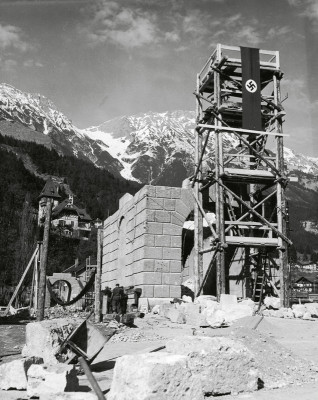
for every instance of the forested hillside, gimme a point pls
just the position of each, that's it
(95, 189)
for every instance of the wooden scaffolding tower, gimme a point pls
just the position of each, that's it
(239, 101)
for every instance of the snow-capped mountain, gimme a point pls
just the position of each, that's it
(33, 117)
(150, 146)
(155, 148)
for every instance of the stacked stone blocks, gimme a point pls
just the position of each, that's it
(147, 254)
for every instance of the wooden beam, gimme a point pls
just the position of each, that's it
(198, 221)
(256, 206)
(252, 210)
(205, 216)
(21, 281)
(251, 241)
(240, 130)
(270, 165)
(201, 158)
(207, 272)
(43, 264)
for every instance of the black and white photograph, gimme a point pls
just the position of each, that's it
(158, 199)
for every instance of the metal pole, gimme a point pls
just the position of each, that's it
(91, 379)
(98, 276)
(43, 264)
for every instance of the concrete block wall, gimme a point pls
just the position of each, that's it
(142, 241)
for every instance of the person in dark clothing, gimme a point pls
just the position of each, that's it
(116, 299)
(124, 300)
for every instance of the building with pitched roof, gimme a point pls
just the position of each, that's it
(71, 220)
(50, 190)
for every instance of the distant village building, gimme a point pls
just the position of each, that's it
(306, 266)
(304, 284)
(51, 189)
(68, 218)
(71, 220)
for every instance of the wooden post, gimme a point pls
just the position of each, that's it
(219, 204)
(98, 276)
(198, 221)
(36, 282)
(43, 264)
(281, 204)
(20, 282)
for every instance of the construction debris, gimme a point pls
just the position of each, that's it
(65, 312)
(13, 375)
(307, 311)
(222, 365)
(154, 376)
(47, 379)
(206, 311)
(70, 396)
(43, 339)
(277, 366)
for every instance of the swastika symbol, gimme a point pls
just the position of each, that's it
(251, 86)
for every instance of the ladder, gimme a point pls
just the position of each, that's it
(260, 280)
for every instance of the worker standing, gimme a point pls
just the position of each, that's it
(116, 299)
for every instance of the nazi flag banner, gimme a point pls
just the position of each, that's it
(252, 118)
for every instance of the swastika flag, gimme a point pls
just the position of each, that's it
(251, 84)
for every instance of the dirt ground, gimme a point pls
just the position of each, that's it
(287, 350)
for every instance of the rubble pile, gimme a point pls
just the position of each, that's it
(277, 366)
(135, 335)
(306, 311)
(43, 339)
(206, 311)
(65, 312)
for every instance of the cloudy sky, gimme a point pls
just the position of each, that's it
(98, 59)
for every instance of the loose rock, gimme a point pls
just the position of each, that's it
(49, 379)
(222, 364)
(13, 375)
(154, 376)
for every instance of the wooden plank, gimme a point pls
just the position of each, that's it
(198, 220)
(263, 64)
(251, 241)
(256, 173)
(21, 281)
(248, 223)
(240, 130)
(236, 48)
(43, 264)
(259, 216)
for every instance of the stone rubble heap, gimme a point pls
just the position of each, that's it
(307, 311)
(206, 311)
(65, 312)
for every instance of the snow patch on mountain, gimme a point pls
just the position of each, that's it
(300, 162)
(142, 140)
(147, 147)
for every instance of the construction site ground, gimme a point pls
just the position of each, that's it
(284, 348)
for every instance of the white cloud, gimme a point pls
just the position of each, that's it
(30, 63)
(123, 26)
(11, 37)
(276, 32)
(137, 25)
(307, 8)
(7, 65)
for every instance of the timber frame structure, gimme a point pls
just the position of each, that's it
(246, 187)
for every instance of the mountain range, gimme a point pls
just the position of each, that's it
(149, 148)
(156, 148)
